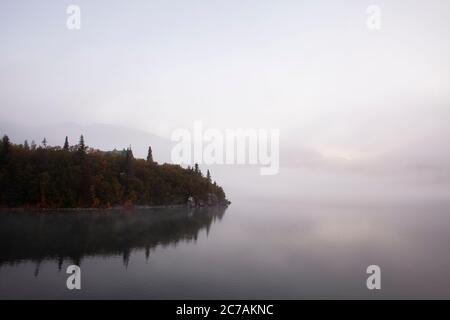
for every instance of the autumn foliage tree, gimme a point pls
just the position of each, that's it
(79, 176)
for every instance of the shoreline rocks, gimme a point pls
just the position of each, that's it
(191, 203)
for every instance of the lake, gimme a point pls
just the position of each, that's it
(252, 250)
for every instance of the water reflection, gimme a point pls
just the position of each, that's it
(60, 236)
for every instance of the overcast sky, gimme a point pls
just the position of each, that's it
(309, 68)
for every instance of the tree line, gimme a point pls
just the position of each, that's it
(78, 176)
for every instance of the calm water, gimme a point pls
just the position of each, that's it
(250, 250)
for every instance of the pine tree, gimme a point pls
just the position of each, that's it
(81, 146)
(150, 155)
(66, 144)
(129, 162)
(196, 169)
(25, 145)
(5, 148)
(5, 142)
(44, 143)
(208, 176)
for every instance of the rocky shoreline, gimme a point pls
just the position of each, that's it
(192, 203)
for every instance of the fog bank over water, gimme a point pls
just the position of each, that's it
(332, 188)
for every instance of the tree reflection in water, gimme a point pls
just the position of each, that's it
(37, 237)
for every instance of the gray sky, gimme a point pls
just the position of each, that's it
(311, 69)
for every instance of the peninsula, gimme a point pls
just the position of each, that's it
(77, 176)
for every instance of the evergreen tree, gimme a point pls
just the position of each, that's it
(208, 176)
(66, 144)
(5, 149)
(25, 145)
(197, 169)
(150, 155)
(44, 143)
(81, 146)
(129, 162)
(6, 144)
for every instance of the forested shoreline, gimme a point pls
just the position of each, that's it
(76, 176)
